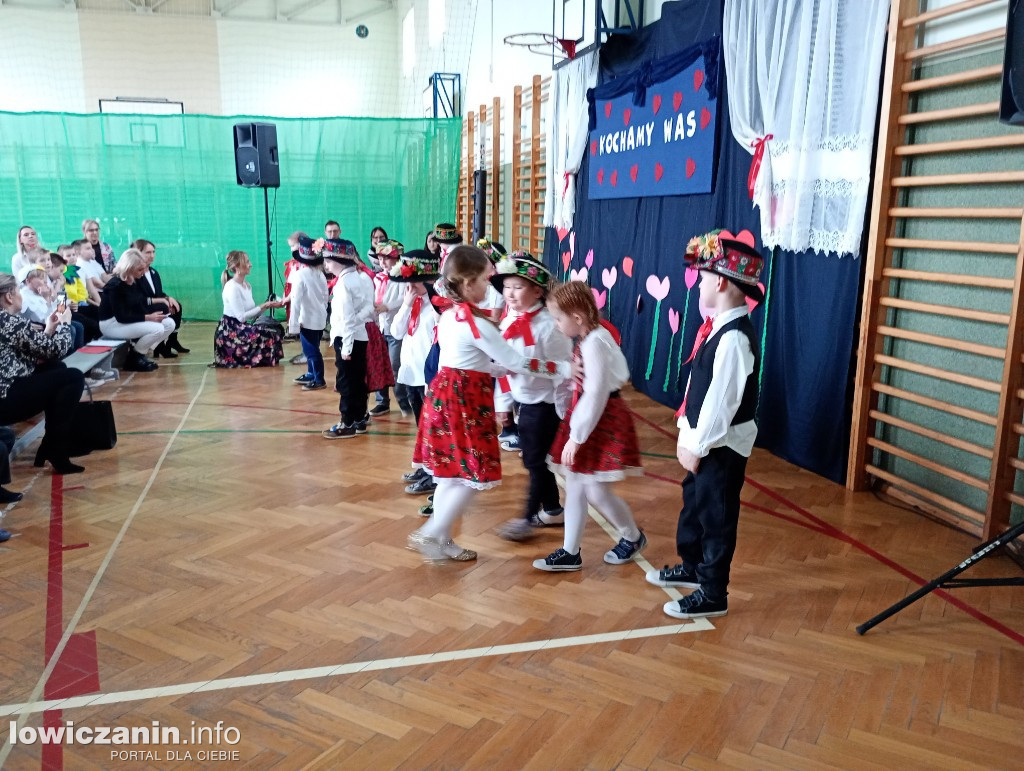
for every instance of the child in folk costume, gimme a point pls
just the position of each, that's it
(530, 328)
(352, 316)
(307, 302)
(447, 237)
(596, 443)
(414, 326)
(388, 297)
(494, 301)
(716, 424)
(456, 440)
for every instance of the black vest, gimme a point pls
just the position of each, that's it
(702, 370)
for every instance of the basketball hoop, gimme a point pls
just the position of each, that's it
(543, 43)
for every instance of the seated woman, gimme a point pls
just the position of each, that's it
(27, 243)
(125, 315)
(237, 342)
(159, 300)
(33, 379)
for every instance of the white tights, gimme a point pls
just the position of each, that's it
(451, 498)
(581, 490)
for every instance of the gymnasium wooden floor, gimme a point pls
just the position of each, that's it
(225, 563)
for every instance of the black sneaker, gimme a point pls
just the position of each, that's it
(560, 561)
(428, 510)
(339, 431)
(361, 426)
(553, 518)
(677, 575)
(696, 605)
(381, 409)
(422, 486)
(412, 476)
(312, 385)
(303, 379)
(625, 551)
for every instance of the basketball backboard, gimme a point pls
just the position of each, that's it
(583, 21)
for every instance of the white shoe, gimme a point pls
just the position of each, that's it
(552, 518)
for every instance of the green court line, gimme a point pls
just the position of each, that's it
(247, 431)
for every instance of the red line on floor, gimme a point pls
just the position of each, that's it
(834, 532)
(53, 753)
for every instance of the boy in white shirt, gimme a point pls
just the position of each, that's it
(308, 317)
(388, 298)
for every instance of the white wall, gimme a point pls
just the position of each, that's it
(33, 78)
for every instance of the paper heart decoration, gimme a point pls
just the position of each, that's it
(705, 117)
(751, 302)
(627, 266)
(609, 276)
(673, 320)
(615, 178)
(658, 287)
(633, 171)
(698, 79)
(600, 176)
(690, 276)
(566, 259)
(659, 170)
(677, 99)
(593, 147)
(607, 109)
(744, 236)
(599, 297)
(562, 233)
(589, 259)
(656, 103)
(578, 275)
(625, 116)
(691, 167)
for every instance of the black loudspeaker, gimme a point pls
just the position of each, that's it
(256, 162)
(479, 204)
(1011, 106)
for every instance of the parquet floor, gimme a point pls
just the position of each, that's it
(224, 563)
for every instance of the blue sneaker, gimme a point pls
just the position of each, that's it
(625, 551)
(509, 440)
(303, 379)
(696, 605)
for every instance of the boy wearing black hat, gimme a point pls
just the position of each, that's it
(307, 302)
(716, 424)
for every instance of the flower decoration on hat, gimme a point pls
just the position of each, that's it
(494, 250)
(336, 249)
(415, 266)
(733, 257)
(524, 265)
(390, 249)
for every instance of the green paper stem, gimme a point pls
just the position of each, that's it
(668, 362)
(654, 340)
(764, 330)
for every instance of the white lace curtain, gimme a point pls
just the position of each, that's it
(806, 72)
(566, 137)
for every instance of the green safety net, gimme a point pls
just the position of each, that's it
(171, 180)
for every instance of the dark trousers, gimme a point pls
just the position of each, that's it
(415, 394)
(401, 394)
(538, 424)
(310, 341)
(706, 533)
(89, 317)
(6, 445)
(351, 382)
(52, 389)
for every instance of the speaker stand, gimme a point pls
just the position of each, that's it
(270, 252)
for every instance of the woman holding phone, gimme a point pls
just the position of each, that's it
(125, 315)
(33, 378)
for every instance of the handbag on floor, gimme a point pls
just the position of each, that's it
(92, 427)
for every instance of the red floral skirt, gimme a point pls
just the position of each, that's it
(612, 452)
(457, 436)
(378, 362)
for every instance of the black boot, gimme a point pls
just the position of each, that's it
(136, 362)
(57, 455)
(164, 349)
(175, 345)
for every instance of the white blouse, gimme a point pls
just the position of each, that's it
(415, 347)
(238, 303)
(549, 344)
(351, 308)
(461, 350)
(308, 298)
(394, 294)
(604, 371)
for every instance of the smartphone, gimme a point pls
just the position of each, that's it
(62, 302)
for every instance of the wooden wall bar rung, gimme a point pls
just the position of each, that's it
(938, 468)
(958, 212)
(960, 42)
(940, 374)
(980, 143)
(1017, 463)
(975, 517)
(951, 113)
(952, 441)
(943, 342)
(982, 247)
(975, 178)
(935, 404)
(945, 310)
(1014, 498)
(989, 282)
(956, 79)
(949, 10)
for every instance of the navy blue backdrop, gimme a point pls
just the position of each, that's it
(804, 412)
